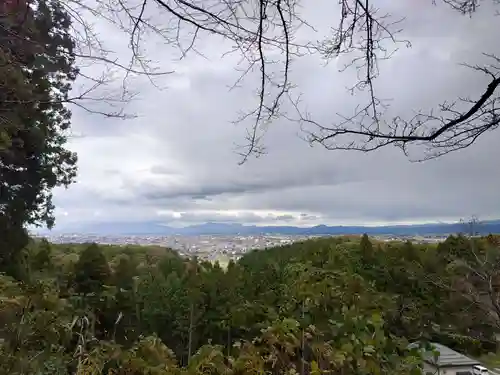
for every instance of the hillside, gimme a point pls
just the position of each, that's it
(343, 305)
(155, 228)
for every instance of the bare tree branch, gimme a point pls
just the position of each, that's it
(442, 131)
(263, 33)
(448, 128)
(257, 29)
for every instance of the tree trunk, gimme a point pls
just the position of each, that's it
(190, 340)
(228, 340)
(137, 306)
(302, 343)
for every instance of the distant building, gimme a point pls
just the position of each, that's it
(449, 362)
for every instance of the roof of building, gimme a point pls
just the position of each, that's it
(447, 357)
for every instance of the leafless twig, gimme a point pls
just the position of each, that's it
(263, 33)
(451, 126)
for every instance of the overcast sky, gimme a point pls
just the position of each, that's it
(176, 162)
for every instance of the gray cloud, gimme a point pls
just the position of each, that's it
(176, 161)
(216, 184)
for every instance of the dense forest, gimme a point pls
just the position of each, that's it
(339, 305)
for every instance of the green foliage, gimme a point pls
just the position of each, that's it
(92, 271)
(42, 259)
(36, 72)
(365, 245)
(336, 305)
(125, 273)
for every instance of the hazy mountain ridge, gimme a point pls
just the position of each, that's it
(155, 228)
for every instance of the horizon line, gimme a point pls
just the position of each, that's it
(379, 225)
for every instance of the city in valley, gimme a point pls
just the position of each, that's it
(212, 247)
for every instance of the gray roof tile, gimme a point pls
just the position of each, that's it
(448, 357)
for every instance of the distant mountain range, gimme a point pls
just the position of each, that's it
(155, 228)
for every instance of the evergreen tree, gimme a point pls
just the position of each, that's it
(91, 271)
(36, 72)
(42, 259)
(366, 249)
(124, 273)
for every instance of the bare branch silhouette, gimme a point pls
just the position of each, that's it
(257, 30)
(444, 130)
(451, 126)
(92, 87)
(263, 33)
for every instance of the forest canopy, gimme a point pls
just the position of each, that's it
(334, 305)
